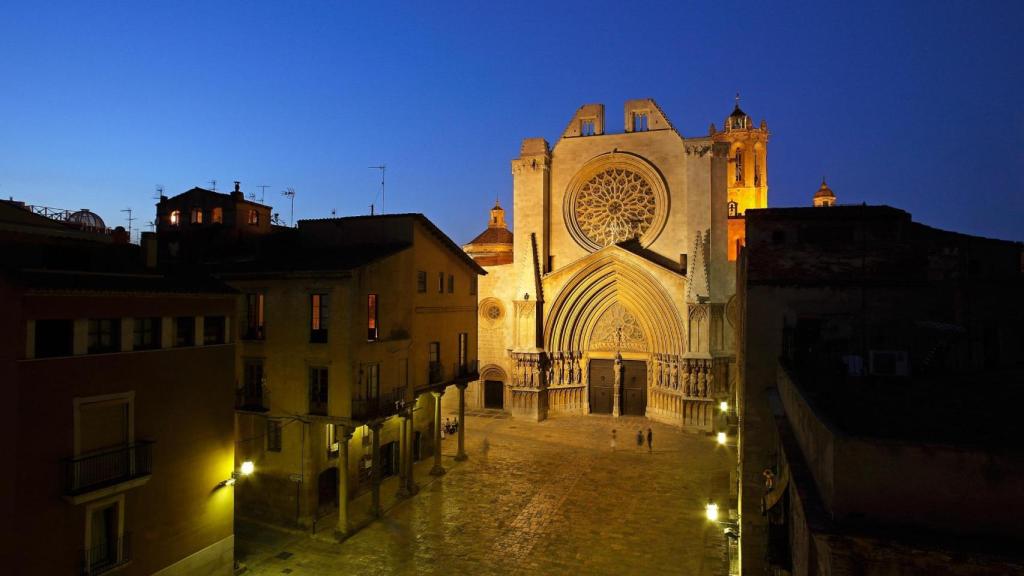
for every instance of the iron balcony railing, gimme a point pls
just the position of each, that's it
(107, 467)
(435, 372)
(387, 404)
(465, 371)
(252, 397)
(107, 555)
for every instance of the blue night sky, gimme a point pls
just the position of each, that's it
(919, 105)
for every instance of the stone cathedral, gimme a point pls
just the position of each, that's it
(613, 292)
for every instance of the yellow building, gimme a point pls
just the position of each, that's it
(614, 294)
(352, 329)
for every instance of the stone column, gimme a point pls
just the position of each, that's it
(403, 455)
(437, 470)
(462, 422)
(410, 479)
(346, 435)
(375, 427)
(617, 391)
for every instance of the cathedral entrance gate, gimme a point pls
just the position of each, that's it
(633, 392)
(602, 386)
(494, 394)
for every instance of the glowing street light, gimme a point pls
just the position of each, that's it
(247, 468)
(711, 510)
(721, 438)
(723, 406)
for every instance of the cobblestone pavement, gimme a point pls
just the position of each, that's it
(545, 498)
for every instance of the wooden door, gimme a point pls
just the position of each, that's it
(634, 388)
(602, 386)
(494, 394)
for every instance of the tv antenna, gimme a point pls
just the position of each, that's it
(213, 185)
(290, 194)
(159, 192)
(263, 191)
(130, 220)
(382, 168)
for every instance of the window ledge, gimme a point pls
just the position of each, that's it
(108, 490)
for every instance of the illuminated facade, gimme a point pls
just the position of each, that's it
(613, 295)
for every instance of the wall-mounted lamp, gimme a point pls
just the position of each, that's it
(246, 469)
(711, 511)
(721, 438)
(723, 406)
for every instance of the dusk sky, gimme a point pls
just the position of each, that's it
(919, 105)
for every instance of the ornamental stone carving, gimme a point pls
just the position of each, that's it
(614, 198)
(617, 329)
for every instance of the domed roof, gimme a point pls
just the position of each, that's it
(824, 191)
(86, 219)
(737, 113)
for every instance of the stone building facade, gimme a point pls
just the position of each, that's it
(613, 294)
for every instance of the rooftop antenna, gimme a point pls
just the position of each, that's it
(290, 193)
(382, 168)
(371, 209)
(213, 185)
(130, 220)
(159, 192)
(263, 191)
(151, 224)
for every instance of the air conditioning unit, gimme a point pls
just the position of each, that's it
(889, 363)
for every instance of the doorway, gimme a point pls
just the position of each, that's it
(494, 394)
(327, 490)
(633, 392)
(602, 386)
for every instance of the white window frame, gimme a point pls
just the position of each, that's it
(89, 509)
(108, 400)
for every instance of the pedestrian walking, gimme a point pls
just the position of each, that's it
(613, 439)
(444, 428)
(639, 439)
(650, 441)
(485, 447)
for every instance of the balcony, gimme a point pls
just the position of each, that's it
(107, 468)
(387, 404)
(466, 371)
(458, 372)
(107, 556)
(252, 397)
(436, 373)
(254, 333)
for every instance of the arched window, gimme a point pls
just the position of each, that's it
(757, 171)
(739, 165)
(732, 209)
(175, 217)
(254, 218)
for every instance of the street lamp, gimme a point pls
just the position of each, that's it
(711, 511)
(246, 469)
(721, 438)
(723, 406)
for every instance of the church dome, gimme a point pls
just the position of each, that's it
(494, 245)
(86, 219)
(824, 196)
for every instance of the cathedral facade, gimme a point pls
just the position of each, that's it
(613, 293)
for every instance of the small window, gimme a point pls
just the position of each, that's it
(104, 335)
(421, 281)
(175, 218)
(587, 127)
(217, 215)
(732, 209)
(214, 330)
(757, 171)
(440, 282)
(639, 122)
(54, 338)
(371, 317)
(254, 329)
(434, 361)
(318, 391)
(197, 216)
(318, 308)
(371, 386)
(451, 284)
(252, 384)
(184, 331)
(147, 334)
(473, 282)
(254, 218)
(738, 161)
(273, 435)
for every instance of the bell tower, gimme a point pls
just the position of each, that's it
(747, 173)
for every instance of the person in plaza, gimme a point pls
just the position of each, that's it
(650, 440)
(444, 430)
(639, 439)
(613, 439)
(485, 447)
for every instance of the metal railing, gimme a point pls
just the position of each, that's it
(387, 404)
(252, 397)
(465, 371)
(435, 372)
(107, 467)
(107, 556)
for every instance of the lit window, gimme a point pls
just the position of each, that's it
(732, 209)
(175, 217)
(217, 215)
(318, 307)
(371, 317)
(254, 218)
(197, 216)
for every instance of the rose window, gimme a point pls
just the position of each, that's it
(615, 205)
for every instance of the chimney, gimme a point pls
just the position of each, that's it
(237, 194)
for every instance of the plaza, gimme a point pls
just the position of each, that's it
(548, 497)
